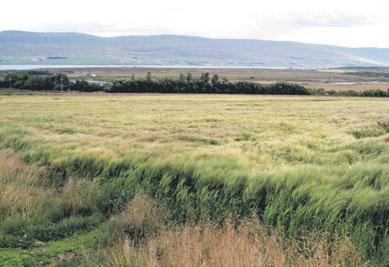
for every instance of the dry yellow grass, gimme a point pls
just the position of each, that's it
(18, 193)
(23, 192)
(257, 132)
(385, 138)
(209, 245)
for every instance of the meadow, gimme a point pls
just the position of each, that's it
(313, 171)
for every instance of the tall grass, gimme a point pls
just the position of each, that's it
(294, 163)
(19, 195)
(293, 202)
(31, 211)
(207, 244)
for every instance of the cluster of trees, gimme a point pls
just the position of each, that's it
(203, 84)
(44, 81)
(84, 86)
(184, 84)
(24, 80)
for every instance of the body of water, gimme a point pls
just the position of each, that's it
(33, 67)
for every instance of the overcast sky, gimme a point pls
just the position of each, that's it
(340, 22)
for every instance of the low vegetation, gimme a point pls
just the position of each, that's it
(313, 171)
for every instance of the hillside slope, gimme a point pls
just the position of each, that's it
(18, 47)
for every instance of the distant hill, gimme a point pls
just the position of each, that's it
(17, 47)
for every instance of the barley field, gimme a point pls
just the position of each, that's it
(302, 165)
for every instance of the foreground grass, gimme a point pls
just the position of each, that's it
(38, 223)
(144, 234)
(205, 244)
(302, 164)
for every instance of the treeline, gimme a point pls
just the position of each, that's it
(184, 84)
(204, 84)
(24, 80)
(44, 81)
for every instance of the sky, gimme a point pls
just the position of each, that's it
(355, 23)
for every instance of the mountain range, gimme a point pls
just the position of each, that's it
(19, 47)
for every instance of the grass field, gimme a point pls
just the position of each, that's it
(301, 164)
